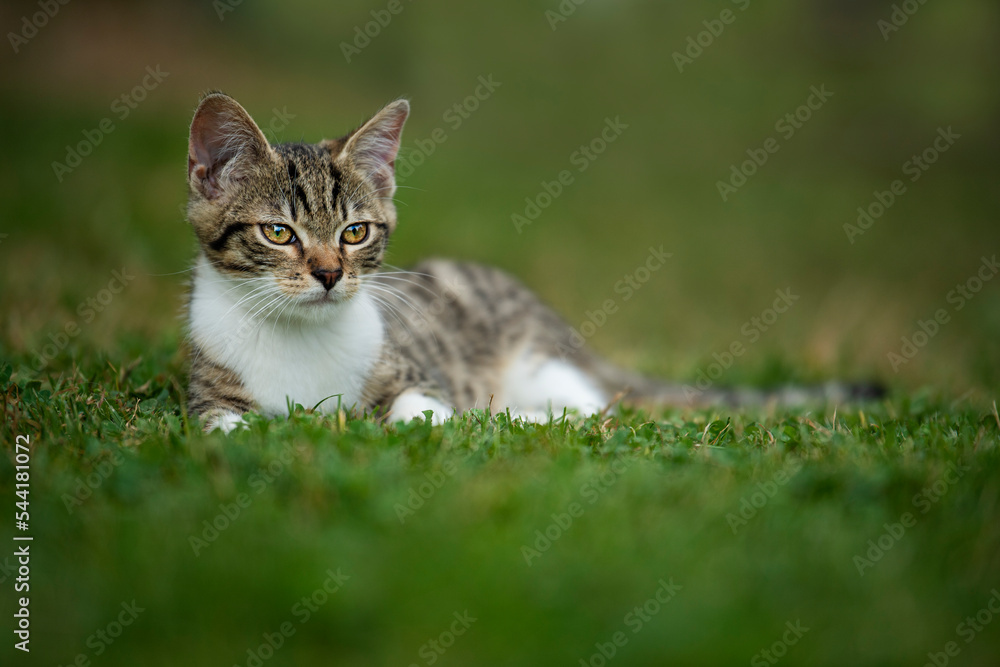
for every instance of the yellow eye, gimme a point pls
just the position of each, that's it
(355, 233)
(278, 234)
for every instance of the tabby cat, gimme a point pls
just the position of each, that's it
(288, 303)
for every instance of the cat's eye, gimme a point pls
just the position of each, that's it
(355, 233)
(278, 234)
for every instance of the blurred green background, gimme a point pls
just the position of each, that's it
(655, 185)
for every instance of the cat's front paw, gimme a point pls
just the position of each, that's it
(226, 422)
(531, 416)
(412, 404)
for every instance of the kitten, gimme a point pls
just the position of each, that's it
(288, 304)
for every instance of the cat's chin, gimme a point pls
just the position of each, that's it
(318, 308)
(321, 301)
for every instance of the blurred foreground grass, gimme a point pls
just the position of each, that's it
(877, 529)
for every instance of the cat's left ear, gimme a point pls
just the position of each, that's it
(373, 147)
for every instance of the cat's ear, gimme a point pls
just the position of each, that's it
(373, 147)
(224, 144)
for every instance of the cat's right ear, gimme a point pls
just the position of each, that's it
(224, 145)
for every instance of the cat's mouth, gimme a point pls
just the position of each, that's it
(325, 299)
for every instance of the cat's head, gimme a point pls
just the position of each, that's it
(302, 221)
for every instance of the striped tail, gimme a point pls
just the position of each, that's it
(641, 391)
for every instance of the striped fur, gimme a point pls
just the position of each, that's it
(317, 322)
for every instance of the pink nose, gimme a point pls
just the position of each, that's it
(327, 277)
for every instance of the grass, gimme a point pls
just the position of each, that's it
(876, 528)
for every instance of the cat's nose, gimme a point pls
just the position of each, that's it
(328, 277)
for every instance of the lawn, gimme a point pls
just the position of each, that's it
(840, 534)
(866, 536)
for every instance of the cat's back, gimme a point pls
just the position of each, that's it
(457, 296)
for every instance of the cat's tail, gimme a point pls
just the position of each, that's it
(641, 391)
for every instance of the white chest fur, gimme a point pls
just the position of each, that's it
(302, 361)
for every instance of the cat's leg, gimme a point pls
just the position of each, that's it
(216, 394)
(413, 402)
(535, 385)
(400, 389)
